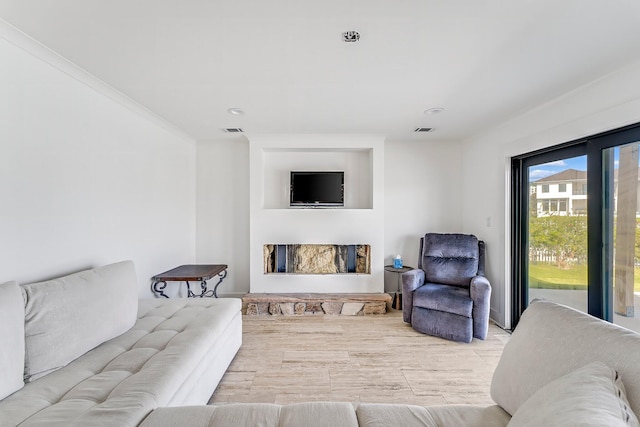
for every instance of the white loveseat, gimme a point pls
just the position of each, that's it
(91, 354)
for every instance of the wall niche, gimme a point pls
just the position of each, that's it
(274, 224)
(356, 164)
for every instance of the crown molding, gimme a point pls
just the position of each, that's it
(38, 50)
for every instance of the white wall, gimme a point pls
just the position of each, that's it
(608, 103)
(86, 176)
(422, 193)
(423, 189)
(223, 211)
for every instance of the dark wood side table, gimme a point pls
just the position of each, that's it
(190, 273)
(397, 298)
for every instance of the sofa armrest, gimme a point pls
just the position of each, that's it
(411, 280)
(480, 291)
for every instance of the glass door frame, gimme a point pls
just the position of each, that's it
(599, 215)
(600, 288)
(520, 217)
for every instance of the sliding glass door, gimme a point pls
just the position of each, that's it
(575, 226)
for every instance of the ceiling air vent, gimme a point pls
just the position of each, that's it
(423, 129)
(233, 130)
(350, 36)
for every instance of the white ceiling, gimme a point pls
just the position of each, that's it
(284, 62)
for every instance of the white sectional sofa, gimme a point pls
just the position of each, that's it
(91, 354)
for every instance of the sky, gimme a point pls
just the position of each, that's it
(541, 171)
(579, 163)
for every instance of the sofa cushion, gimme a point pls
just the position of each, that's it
(12, 333)
(318, 414)
(451, 299)
(469, 416)
(383, 415)
(68, 316)
(240, 414)
(589, 396)
(552, 340)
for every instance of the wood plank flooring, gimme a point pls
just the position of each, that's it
(375, 359)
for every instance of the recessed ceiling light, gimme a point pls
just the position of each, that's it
(235, 111)
(434, 110)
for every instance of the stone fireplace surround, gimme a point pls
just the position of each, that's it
(317, 259)
(315, 304)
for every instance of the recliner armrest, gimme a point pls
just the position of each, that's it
(480, 292)
(411, 280)
(479, 287)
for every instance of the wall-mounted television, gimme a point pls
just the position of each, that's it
(317, 189)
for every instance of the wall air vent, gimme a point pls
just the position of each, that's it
(423, 129)
(232, 130)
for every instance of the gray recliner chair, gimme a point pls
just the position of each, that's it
(447, 295)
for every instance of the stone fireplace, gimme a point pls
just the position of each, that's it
(317, 259)
(307, 261)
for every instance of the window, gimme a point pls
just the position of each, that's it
(562, 205)
(562, 188)
(545, 206)
(545, 188)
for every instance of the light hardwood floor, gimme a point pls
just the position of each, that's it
(289, 359)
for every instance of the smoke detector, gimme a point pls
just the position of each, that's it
(350, 36)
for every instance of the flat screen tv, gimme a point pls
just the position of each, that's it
(317, 189)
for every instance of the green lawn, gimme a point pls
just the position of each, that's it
(545, 276)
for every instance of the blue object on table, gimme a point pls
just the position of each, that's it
(397, 262)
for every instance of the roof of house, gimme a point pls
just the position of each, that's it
(565, 175)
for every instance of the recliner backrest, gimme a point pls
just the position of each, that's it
(451, 259)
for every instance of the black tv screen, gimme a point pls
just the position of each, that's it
(317, 188)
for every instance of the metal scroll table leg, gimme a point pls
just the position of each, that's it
(203, 293)
(190, 293)
(158, 289)
(215, 288)
(212, 292)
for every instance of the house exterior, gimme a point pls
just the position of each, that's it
(563, 193)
